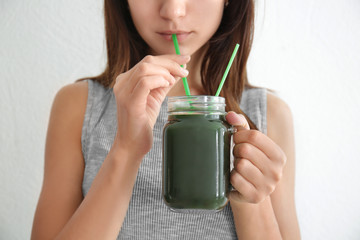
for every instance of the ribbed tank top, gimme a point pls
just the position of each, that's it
(148, 217)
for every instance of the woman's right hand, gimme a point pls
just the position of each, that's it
(139, 94)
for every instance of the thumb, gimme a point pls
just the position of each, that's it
(237, 120)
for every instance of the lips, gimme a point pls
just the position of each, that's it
(181, 35)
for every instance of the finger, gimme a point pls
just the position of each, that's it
(271, 170)
(170, 62)
(255, 155)
(246, 189)
(167, 89)
(162, 92)
(145, 85)
(262, 142)
(149, 69)
(252, 174)
(179, 59)
(151, 65)
(237, 120)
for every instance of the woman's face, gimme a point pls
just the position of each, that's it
(194, 22)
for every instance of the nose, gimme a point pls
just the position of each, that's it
(173, 9)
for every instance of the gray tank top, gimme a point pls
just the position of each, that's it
(147, 216)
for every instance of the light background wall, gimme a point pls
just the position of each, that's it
(306, 50)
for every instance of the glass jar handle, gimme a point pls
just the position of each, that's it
(232, 130)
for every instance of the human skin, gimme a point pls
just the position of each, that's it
(263, 206)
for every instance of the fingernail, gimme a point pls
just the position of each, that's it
(184, 71)
(186, 57)
(242, 120)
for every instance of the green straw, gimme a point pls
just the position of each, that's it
(177, 50)
(227, 70)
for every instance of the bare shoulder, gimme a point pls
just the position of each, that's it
(68, 110)
(72, 95)
(279, 117)
(69, 106)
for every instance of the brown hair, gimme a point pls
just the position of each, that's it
(125, 48)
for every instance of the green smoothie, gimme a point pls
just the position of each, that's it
(196, 161)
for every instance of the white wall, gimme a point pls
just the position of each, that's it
(306, 50)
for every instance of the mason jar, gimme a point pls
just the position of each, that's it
(197, 144)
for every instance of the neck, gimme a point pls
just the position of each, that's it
(194, 77)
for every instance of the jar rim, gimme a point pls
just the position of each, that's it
(196, 104)
(197, 98)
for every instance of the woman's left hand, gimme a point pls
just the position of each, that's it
(258, 162)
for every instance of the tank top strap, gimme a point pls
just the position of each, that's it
(254, 104)
(98, 99)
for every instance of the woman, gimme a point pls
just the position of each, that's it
(103, 164)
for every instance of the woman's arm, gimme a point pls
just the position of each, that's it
(61, 212)
(273, 217)
(139, 93)
(280, 129)
(255, 221)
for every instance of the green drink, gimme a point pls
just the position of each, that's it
(196, 155)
